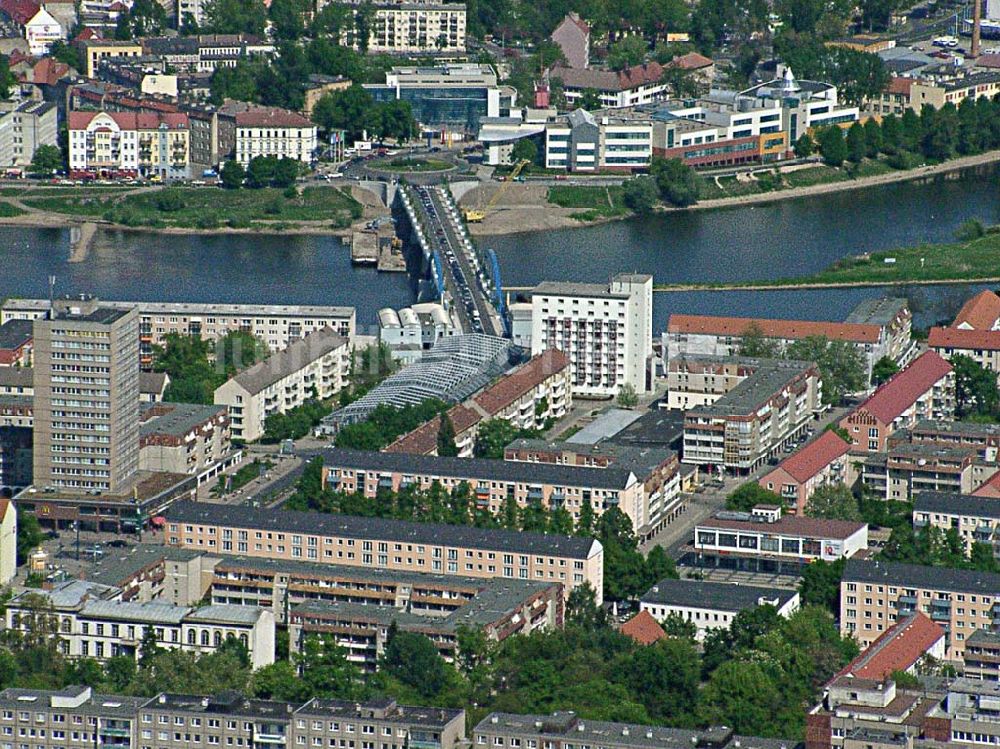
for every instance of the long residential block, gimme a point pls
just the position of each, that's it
(874, 594)
(93, 622)
(975, 519)
(277, 325)
(378, 543)
(494, 482)
(78, 717)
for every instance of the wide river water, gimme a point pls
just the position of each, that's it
(787, 238)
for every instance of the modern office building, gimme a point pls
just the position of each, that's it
(805, 105)
(527, 397)
(821, 462)
(185, 438)
(765, 533)
(387, 544)
(583, 142)
(315, 367)
(747, 425)
(277, 325)
(709, 605)
(606, 329)
(78, 717)
(925, 389)
(567, 729)
(93, 622)
(86, 398)
(452, 97)
(874, 594)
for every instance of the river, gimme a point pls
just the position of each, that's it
(787, 238)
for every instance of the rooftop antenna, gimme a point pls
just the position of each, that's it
(52, 295)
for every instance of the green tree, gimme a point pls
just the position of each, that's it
(68, 54)
(833, 502)
(144, 18)
(677, 182)
(820, 585)
(749, 495)
(524, 150)
(627, 397)
(804, 146)
(883, 369)
(627, 53)
(873, 138)
(892, 134)
(582, 609)
(640, 194)
(325, 671)
(975, 388)
(754, 343)
(46, 160)
(857, 143)
(7, 79)
(840, 363)
(414, 660)
(590, 99)
(260, 171)
(350, 110)
(666, 675)
(278, 681)
(446, 446)
(29, 536)
(742, 695)
(287, 18)
(232, 175)
(235, 17)
(832, 145)
(149, 648)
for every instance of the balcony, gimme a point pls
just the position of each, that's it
(269, 738)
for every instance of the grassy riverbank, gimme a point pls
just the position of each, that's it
(594, 202)
(202, 207)
(974, 260)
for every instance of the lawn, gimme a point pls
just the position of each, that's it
(413, 165)
(208, 207)
(9, 211)
(595, 202)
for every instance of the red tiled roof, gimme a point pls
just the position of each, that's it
(814, 457)
(899, 86)
(787, 329)
(87, 34)
(643, 628)
(491, 401)
(5, 504)
(691, 61)
(896, 649)
(791, 525)
(955, 338)
(904, 388)
(20, 11)
(979, 313)
(990, 488)
(131, 120)
(271, 117)
(49, 71)
(650, 72)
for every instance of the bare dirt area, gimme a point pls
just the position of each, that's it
(522, 207)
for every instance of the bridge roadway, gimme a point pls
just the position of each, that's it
(466, 278)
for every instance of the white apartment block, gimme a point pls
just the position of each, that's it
(316, 366)
(8, 541)
(93, 622)
(607, 331)
(581, 142)
(277, 325)
(269, 131)
(23, 129)
(406, 28)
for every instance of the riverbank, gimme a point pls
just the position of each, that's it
(185, 210)
(525, 208)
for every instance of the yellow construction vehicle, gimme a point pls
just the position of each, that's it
(477, 215)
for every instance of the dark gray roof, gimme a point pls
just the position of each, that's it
(15, 333)
(968, 429)
(352, 526)
(877, 311)
(720, 596)
(921, 576)
(116, 706)
(407, 714)
(638, 459)
(657, 427)
(956, 504)
(771, 376)
(117, 566)
(290, 360)
(489, 470)
(152, 382)
(21, 377)
(182, 418)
